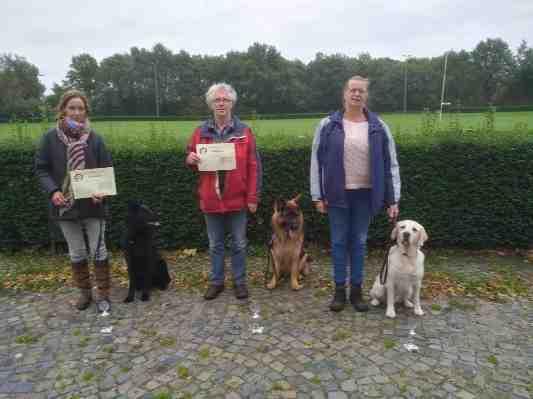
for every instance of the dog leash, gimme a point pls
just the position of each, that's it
(268, 262)
(383, 273)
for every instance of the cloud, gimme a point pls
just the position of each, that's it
(48, 34)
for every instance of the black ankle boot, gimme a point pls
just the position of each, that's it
(356, 299)
(339, 299)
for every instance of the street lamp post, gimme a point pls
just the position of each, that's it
(406, 56)
(156, 84)
(442, 103)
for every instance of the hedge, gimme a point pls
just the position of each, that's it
(470, 190)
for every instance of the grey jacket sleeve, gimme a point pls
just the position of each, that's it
(394, 167)
(42, 167)
(314, 175)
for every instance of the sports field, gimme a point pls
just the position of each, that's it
(410, 123)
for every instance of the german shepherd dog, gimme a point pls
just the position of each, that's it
(288, 255)
(146, 267)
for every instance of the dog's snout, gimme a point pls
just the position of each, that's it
(406, 234)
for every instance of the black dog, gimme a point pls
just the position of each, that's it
(146, 267)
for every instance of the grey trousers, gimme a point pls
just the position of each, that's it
(72, 230)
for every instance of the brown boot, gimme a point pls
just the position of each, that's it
(102, 274)
(82, 280)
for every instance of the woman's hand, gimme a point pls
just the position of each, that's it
(393, 211)
(192, 159)
(97, 199)
(321, 206)
(58, 199)
(252, 208)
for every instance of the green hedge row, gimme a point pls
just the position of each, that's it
(472, 190)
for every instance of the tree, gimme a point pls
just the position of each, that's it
(494, 64)
(326, 75)
(52, 100)
(82, 74)
(115, 87)
(524, 72)
(20, 87)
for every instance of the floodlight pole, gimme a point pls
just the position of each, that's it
(406, 56)
(156, 84)
(443, 85)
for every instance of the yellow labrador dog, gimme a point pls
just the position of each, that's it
(406, 269)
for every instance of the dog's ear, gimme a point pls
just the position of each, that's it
(293, 203)
(277, 205)
(394, 233)
(423, 237)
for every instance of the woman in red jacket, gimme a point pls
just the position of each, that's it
(226, 196)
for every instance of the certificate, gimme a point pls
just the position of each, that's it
(218, 156)
(86, 182)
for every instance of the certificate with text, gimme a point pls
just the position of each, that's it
(217, 156)
(87, 182)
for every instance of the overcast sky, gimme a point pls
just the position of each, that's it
(49, 33)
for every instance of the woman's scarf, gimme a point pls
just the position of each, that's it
(74, 135)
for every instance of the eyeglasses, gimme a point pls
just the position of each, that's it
(361, 91)
(222, 100)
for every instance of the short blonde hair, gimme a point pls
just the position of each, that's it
(211, 92)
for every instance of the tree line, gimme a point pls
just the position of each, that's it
(161, 82)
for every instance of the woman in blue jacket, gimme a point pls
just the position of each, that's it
(354, 174)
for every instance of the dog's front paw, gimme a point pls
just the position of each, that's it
(419, 311)
(408, 304)
(374, 302)
(271, 285)
(145, 297)
(128, 299)
(390, 313)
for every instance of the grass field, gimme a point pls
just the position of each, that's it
(400, 123)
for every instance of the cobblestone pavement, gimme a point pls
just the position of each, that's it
(178, 345)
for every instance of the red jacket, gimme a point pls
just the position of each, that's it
(241, 185)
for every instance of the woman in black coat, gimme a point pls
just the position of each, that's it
(73, 145)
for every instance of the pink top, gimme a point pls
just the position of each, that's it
(356, 155)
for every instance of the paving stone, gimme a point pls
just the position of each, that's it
(152, 348)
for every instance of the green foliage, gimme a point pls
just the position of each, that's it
(183, 372)
(469, 189)
(167, 341)
(20, 86)
(26, 339)
(389, 343)
(87, 376)
(456, 303)
(162, 395)
(203, 353)
(493, 360)
(341, 335)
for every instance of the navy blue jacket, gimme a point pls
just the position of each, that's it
(327, 163)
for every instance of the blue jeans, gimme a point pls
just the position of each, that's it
(348, 232)
(217, 223)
